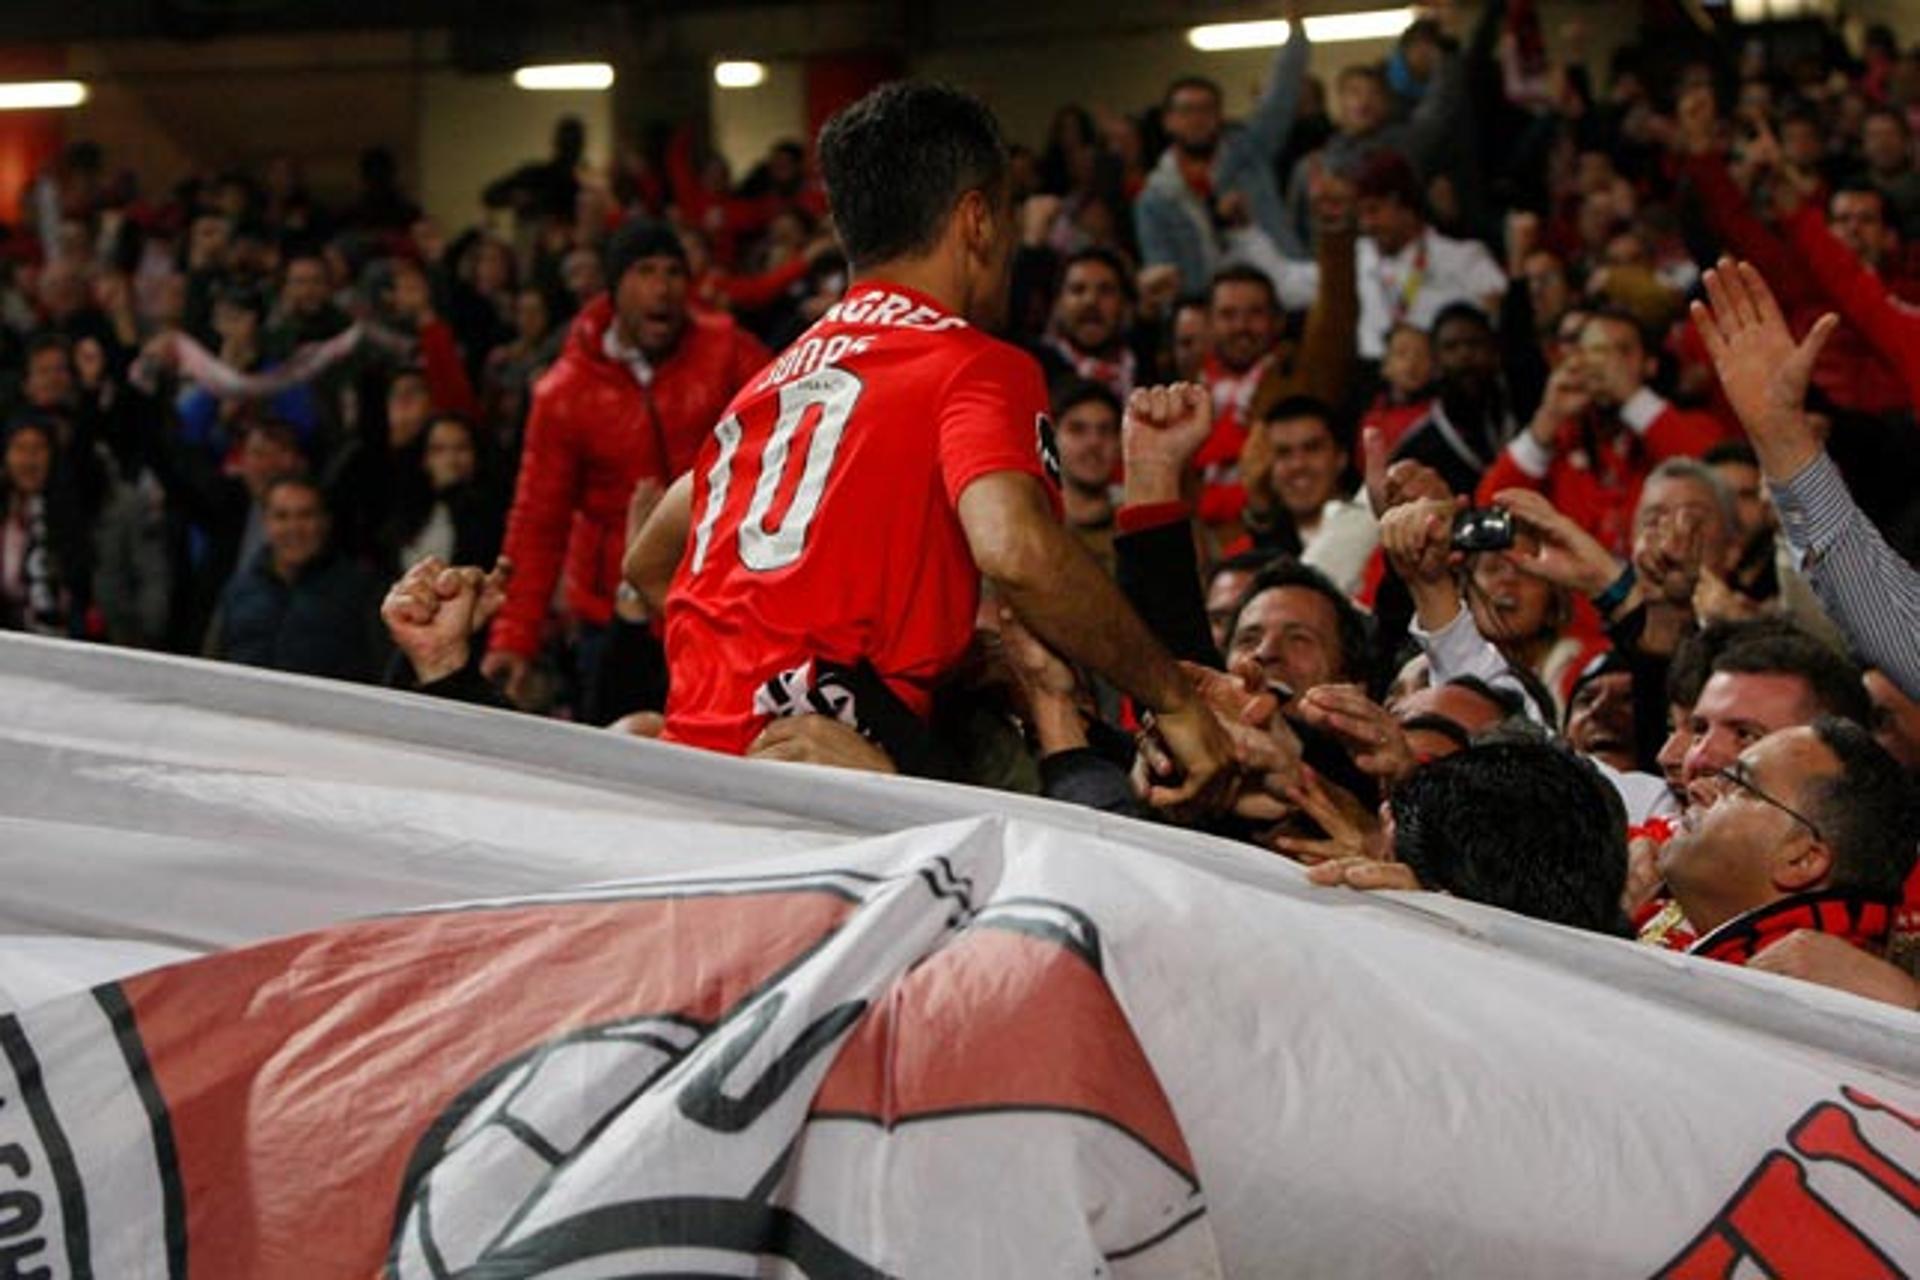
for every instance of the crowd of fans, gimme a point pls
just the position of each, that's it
(1505, 498)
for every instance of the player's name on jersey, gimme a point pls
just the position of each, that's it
(892, 310)
(810, 355)
(876, 307)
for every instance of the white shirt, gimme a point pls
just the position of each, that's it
(1343, 542)
(1430, 273)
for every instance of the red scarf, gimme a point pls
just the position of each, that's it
(1865, 922)
(1115, 375)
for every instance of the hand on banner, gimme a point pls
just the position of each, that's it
(1352, 833)
(1835, 962)
(816, 739)
(434, 611)
(1364, 873)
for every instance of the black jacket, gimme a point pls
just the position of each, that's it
(321, 624)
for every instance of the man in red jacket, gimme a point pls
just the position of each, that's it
(634, 395)
(1598, 432)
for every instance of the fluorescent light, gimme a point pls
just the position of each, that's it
(1327, 28)
(740, 75)
(28, 95)
(565, 75)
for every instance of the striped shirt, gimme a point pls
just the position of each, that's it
(1872, 593)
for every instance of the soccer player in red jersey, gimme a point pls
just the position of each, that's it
(846, 507)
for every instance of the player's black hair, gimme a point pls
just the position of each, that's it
(1527, 826)
(897, 162)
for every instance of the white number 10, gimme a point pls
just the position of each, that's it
(834, 392)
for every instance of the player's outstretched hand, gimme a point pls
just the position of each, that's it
(1163, 430)
(1202, 778)
(1762, 370)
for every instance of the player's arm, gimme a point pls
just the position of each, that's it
(1060, 593)
(654, 550)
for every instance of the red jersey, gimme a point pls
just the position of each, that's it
(824, 509)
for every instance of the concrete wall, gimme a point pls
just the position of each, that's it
(475, 128)
(746, 122)
(167, 110)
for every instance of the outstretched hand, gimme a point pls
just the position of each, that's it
(1763, 371)
(1371, 737)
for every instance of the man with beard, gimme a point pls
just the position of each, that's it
(1213, 174)
(636, 392)
(1470, 418)
(1600, 429)
(1086, 425)
(1091, 338)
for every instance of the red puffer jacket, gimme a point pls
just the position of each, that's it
(593, 432)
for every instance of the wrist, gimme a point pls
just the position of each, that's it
(1152, 481)
(1435, 603)
(1784, 450)
(437, 664)
(1612, 592)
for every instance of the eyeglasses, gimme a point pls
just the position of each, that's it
(1736, 774)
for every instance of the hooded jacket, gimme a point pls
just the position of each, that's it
(602, 419)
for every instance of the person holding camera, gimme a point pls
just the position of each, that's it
(1599, 431)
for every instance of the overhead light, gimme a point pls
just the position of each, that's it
(739, 75)
(31, 95)
(1327, 28)
(566, 75)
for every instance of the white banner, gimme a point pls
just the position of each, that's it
(811, 1023)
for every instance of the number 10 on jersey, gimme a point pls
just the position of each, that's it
(833, 392)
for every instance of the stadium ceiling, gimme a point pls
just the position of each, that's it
(79, 20)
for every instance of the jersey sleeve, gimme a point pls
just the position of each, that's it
(993, 417)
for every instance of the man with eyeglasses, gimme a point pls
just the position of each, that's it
(1809, 829)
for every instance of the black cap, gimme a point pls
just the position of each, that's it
(641, 238)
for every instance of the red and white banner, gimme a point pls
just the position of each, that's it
(719, 1018)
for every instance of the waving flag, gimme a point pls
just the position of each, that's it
(464, 994)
